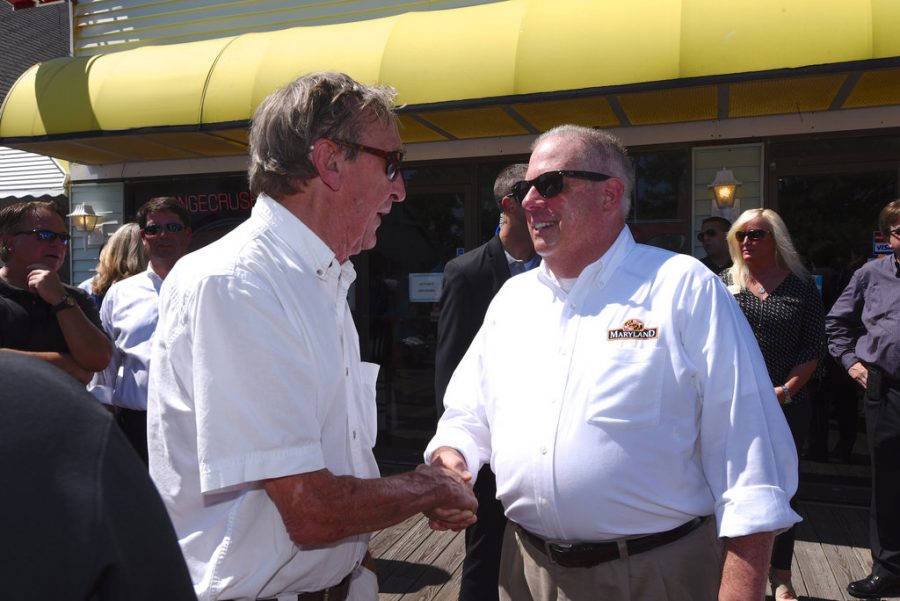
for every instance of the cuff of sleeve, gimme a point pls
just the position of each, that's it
(224, 473)
(755, 509)
(848, 360)
(460, 442)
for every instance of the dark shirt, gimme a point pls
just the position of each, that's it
(714, 267)
(789, 326)
(79, 516)
(864, 323)
(28, 324)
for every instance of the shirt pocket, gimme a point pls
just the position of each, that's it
(628, 391)
(365, 394)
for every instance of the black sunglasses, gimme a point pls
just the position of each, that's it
(154, 229)
(550, 184)
(392, 158)
(752, 234)
(46, 235)
(706, 234)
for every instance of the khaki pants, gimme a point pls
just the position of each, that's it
(688, 569)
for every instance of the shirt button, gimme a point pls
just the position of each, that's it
(544, 502)
(572, 306)
(563, 352)
(543, 450)
(354, 435)
(320, 271)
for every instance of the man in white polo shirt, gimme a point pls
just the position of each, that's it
(644, 430)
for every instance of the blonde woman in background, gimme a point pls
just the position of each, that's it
(785, 312)
(121, 257)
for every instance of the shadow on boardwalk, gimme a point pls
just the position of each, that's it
(415, 563)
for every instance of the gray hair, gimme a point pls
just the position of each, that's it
(785, 253)
(605, 151)
(288, 122)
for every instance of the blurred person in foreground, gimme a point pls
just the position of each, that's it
(261, 415)
(470, 282)
(39, 314)
(864, 335)
(785, 311)
(622, 403)
(130, 311)
(79, 518)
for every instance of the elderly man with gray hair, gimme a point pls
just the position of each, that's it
(261, 414)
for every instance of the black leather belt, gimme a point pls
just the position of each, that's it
(586, 555)
(338, 592)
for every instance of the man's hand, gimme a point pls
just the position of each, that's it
(45, 282)
(859, 373)
(448, 517)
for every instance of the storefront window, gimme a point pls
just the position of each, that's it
(660, 208)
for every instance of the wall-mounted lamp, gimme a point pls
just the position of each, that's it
(84, 219)
(724, 188)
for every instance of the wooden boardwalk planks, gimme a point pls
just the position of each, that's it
(417, 564)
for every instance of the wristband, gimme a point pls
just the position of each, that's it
(787, 395)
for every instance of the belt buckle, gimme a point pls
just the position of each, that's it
(553, 548)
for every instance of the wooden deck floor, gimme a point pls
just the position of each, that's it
(417, 564)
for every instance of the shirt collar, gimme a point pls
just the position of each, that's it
(600, 269)
(311, 249)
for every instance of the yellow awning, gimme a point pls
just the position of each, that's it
(503, 68)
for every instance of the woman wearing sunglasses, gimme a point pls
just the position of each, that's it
(39, 315)
(785, 312)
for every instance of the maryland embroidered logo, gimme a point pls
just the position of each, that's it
(633, 329)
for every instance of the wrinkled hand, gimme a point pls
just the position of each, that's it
(457, 504)
(859, 373)
(45, 282)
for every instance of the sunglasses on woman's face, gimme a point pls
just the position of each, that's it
(550, 184)
(752, 234)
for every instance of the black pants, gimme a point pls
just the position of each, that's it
(134, 425)
(797, 415)
(882, 403)
(484, 539)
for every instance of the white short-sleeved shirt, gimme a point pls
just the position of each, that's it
(128, 313)
(630, 405)
(255, 374)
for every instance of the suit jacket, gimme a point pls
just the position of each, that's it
(470, 282)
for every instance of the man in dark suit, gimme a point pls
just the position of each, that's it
(470, 282)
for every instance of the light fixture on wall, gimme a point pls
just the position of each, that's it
(84, 219)
(724, 188)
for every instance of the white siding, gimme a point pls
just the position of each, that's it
(84, 252)
(26, 174)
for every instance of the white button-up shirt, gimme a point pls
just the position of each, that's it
(255, 374)
(628, 406)
(128, 313)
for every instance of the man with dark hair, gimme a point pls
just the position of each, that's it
(130, 311)
(863, 329)
(79, 518)
(622, 402)
(39, 314)
(470, 282)
(712, 235)
(261, 414)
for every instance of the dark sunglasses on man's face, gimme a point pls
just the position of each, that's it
(707, 234)
(550, 184)
(154, 229)
(47, 235)
(392, 158)
(752, 234)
